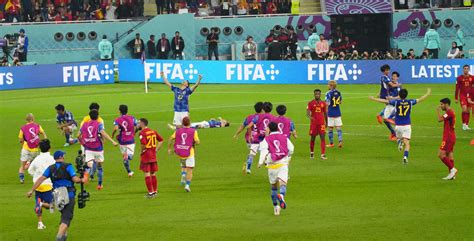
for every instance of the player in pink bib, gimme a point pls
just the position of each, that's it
(275, 152)
(29, 138)
(126, 125)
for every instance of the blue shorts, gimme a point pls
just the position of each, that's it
(46, 197)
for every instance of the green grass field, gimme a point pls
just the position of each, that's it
(362, 192)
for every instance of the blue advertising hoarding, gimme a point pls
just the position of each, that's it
(52, 75)
(291, 72)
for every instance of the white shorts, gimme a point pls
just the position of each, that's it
(254, 148)
(278, 174)
(72, 127)
(28, 156)
(403, 131)
(127, 149)
(202, 124)
(178, 117)
(387, 112)
(188, 162)
(97, 156)
(334, 121)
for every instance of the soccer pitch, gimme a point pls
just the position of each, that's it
(362, 192)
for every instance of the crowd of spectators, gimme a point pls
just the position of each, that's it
(164, 48)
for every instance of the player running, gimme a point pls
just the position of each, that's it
(251, 137)
(446, 151)
(464, 84)
(181, 98)
(285, 124)
(66, 124)
(150, 143)
(92, 142)
(385, 85)
(43, 194)
(334, 101)
(275, 151)
(126, 137)
(317, 113)
(184, 140)
(92, 106)
(29, 138)
(403, 108)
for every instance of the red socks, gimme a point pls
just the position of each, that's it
(448, 162)
(465, 117)
(149, 185)
(311, 146)
(154, 183)
(323, 147)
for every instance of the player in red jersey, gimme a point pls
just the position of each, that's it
(317, 113)
(446, 153)
(464, 85)
(150, 142)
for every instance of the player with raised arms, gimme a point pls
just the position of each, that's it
(29, 137)
(150, 143)
(181, 98)
(385, 85)
(66, 124)
(464, 85)
(317, 113)
(251, 137)
(446, 151)
(334, 101)
(275, 152)
(126, 124)
(92, 142)
(184, 140)
(285, 124)
(403, 107)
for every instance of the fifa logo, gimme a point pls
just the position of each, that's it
(251, 72)
(86, 73)
(337, 72)
(170, 70)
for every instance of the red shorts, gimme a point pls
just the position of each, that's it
(149, 166)
(317, 129)
(447, 145)
(463, 100)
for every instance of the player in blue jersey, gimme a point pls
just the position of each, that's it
(389, 112)
(334, 100)
(385, 84)
(403, 108)
(66, 124)
(181, 98)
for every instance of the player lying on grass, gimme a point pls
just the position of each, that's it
(446, 151)
(66, 124)
(127, 125)
(181, 98)
(150, 143)
(275, 152)
(316, 111)
(252, 143)
(385, 85)
(43, 194)
(403, 108)
(212, 123)
(29, 139)
(333, 101)
(184, 140)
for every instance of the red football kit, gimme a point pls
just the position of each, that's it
(463, 88)
(318, 117)
(449, 137)
(149, 138)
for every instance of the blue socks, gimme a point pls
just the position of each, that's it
(21, 176)
(274, 196)
(67, 137)
(126, 164)
(390, 128)
(183, 173)
(405, 154)
(339, 135)
(188, 182)
(283, 190)
(331, 136)
(100, 174)
(249, 162)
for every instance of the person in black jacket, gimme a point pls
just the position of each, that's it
(137, 46)
(212, 41)
(163, 46)
(292, 42)
(177, 46)
(274, 50)
(150, 45)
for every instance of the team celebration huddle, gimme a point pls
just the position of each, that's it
(268, 133)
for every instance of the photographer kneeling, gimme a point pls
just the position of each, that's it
(63, 177)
